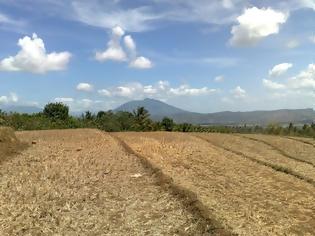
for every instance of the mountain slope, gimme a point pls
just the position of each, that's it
(21, 109)
(155, 107)
(158, 110)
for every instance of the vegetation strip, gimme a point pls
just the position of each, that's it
(188, 197)
(273, 166)
(283, 153)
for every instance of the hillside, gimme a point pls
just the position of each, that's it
(21, 109)
(159, 109)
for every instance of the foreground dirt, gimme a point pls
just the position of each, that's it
(81, 182)
(247, 197)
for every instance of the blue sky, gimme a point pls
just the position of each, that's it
(199, 55)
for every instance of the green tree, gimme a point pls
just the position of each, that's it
(56, 111)
(142, 121)
(167, 124)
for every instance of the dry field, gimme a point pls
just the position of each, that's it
(245, 195)
(82, 182)
(86, 182)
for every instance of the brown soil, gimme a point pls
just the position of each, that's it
(82, 182)
(245, 196)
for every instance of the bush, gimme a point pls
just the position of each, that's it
(56, 111)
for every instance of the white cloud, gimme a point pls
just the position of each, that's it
(219, 78)
(273, 85)
(161, 89)
(255, 24)
(238, 92)
(185, 90)
(280, 69)
(85, 87)
(305, 80)
(312, 39)
(64, 100)
(12, 98)
(297, 87)
(141, 63)
(293, 43)
(114, 51)
(130, 43)
(107, 14)
(104, 92)
(33, 58)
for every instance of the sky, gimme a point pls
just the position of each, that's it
(199, 55)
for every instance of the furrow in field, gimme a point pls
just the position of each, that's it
(247, 197)
(308, 141)
(290, 148)
(262, 154)
(190, 198)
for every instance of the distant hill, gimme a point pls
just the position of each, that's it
(21, 109)
(159, 109)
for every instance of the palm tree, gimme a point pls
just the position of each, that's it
(142, 119)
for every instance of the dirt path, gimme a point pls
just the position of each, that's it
(245, 196)
(81, 182)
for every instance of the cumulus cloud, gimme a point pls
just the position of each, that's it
(114, 51)
(33, 58)
(78, 105)
(141, 63)
(280, 69)
(161, 89)
(255, 24)
(238, 92)
(304, 80)
(219, 78)
(130, 43)
(301, 84)
(12, 98)
(273, 85)
(85, 87)
(64, 100)
(187, 90)
(104, 92)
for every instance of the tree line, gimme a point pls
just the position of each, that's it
(56, 116)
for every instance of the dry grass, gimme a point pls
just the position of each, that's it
(9, 144)
(263, 154)
(246, 197)
(81, 182)
(288, 147)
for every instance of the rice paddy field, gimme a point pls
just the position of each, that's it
(88, 182)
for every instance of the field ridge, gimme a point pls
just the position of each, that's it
(277, 149)
(190, 198)
(275, 167)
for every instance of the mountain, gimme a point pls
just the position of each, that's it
(155, 107)
(21, 109)
(159, 109)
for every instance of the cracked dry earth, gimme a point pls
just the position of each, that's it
(82, 182)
